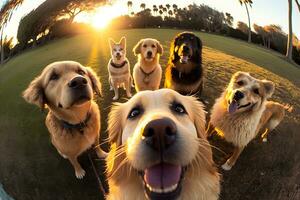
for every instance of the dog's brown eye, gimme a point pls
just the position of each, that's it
(153, 46)
(121, 49)
(240, 83)
(81, 72)
(178, 108)
(54, 76)
(256, 91)
(135, 112)
(144, 45)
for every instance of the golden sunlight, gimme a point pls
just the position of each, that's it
(102, 16)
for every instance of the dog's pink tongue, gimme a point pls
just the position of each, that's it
(162, 175)
(233, 106)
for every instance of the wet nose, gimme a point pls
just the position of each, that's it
(149, 53)
(118, 54)
(77, 82)
(238, 95)
(186, 49)
(160, 134)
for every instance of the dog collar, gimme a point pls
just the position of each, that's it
(146, 78)
(118, 65)
(80, 126)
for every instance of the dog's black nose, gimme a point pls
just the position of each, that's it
(118, 54)
(77, 82)
(149, 53)
(186, 49)
(160, 133)
(238, 95)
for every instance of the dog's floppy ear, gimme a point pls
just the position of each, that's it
(96, 84)
(111, 42)
(34, 94)
(114, 125)
(269, 88)
(174, 49)
(137, 48)
(199, 116)
(160, 48)
(122, 42)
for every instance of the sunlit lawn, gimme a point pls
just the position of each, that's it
(30, 167)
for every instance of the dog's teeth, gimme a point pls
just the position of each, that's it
(165, 190)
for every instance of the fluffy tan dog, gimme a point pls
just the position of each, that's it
(147, 71)
(159, 149)
(243, 110)
(119, 68)
(73, 119)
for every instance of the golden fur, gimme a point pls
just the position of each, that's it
(147, 72)
(242, 126)
(128, 153)
(52, 88)
(119, 77)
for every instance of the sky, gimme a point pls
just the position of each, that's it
(263, 12)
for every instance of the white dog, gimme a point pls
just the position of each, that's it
(147, 71)
(119, 68)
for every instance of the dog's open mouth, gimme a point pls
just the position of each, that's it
(184, 59)
(234, 106)
(81, 100)
(118, 57)
(163, 181)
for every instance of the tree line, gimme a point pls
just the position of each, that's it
(55, 19)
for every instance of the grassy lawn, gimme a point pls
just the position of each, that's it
(30, 167)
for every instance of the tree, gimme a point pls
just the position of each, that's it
(6, 13)
(77, 6)
(170, 13)
(168, 6)
(155, 9)
(161, 12)
(246, 3)
(289, 51)
(229, 19)
(129, 5)
(143, 6)
(242, 27)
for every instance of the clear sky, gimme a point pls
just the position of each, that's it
(263, 12)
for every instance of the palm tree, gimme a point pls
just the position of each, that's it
(143, 6)
(161, 12)
(170, 12)
(246, 3)
(175, 8)
(168, 6)
(6, 12)
(165, 11)
(129, 5)
(155, 9)
(160, 7)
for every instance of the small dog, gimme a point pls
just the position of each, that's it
(184, 72)
(159, 149)
(147, 71)
(73, 119)
(243, 111)
(119, 68)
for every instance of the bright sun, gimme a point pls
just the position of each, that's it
(103, 16)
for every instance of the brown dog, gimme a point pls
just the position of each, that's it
(73, 120)
(243, 110)
(159, 149)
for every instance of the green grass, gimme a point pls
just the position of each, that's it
(30, 167)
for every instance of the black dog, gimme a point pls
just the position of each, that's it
(184, 72)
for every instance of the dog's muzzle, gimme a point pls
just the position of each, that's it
(78, 85)
(161, 181)
(185, 54)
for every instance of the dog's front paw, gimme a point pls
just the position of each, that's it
(115, 98)
(80, 173)
(129, 95)
(265, 140)
(226, 166)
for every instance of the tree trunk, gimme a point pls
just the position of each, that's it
(289, 50)
(2, 47)
(249, 24)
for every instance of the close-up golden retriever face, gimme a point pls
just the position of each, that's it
(160, 136)
(246, 93)
(148, 49)
(63, 85)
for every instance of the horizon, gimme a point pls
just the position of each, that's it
(278, 14)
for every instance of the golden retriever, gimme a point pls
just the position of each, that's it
(147, 71)
(159, 149)
(73, 119)
(243, 111)
(119, 68)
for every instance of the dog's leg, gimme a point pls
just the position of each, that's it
(128, 88)
(116, 90)
(110, 84)
(79, 172)
(231, 161)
